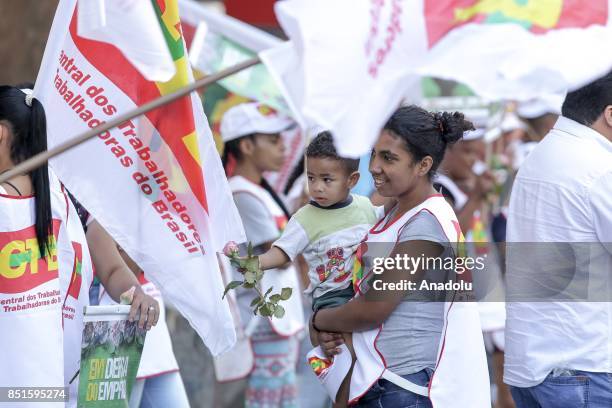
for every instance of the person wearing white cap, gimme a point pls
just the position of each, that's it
(253, 145)
(540, 114)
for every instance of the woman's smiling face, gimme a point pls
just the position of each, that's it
(392, 166)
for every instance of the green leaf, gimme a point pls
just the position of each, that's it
(252, 264)
(265, 310)
(256, 301)
(248, 285)
(230, 286)
(275, 298)
(249, 277)
(250, 249)
(286, 293)
(268, 292)
(279, 311)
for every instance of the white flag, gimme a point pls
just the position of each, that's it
(360, 57)
(155, 182)
(504, 50)
(355, 58)
(131, 26)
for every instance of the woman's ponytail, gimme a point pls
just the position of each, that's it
(452, 126)
(37, 143)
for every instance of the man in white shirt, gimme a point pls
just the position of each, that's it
(559, 352)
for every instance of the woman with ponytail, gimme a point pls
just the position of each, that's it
(45, 267)
(23, 134)
(253, 145)
(405, 335)
(45, 264)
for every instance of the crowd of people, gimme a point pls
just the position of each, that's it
(439, 189)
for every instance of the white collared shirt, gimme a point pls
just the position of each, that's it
(562, 194)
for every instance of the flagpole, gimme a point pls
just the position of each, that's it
(41, 158)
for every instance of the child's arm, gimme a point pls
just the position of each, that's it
(273, 258)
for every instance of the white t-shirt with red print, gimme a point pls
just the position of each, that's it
(328, 238)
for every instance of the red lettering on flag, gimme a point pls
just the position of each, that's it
(173, 121)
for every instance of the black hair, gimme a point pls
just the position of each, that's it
(28, 131)
(586, 104)
(322, 146)
(297, 171)
(426, 133)
(232, 149)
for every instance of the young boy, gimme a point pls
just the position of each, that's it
(327, 230)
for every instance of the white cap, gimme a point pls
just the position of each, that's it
(540, 106)
(512, 122)
(254, 117)
(476, 134)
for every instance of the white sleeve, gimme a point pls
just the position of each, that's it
(293, 240)
(601, 210)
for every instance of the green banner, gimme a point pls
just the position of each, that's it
(110, 355)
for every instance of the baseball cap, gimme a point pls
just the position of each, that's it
(540, 106)
(253, 117)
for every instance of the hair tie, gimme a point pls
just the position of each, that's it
(28, 96)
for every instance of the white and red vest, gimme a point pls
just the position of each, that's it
(42, 300)
(461, 376)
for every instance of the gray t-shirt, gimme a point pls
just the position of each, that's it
(258, 226)
(411, 334)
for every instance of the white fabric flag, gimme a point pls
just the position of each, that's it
(156, 182)
(360, 57)
(220, 41)
(131, 26)
(355, 57)
(503, 50)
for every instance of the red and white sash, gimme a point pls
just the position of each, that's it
(461, 376)
(41, 300)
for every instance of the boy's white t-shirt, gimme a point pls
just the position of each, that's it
(328, 238)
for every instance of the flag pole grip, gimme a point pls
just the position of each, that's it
(41, 158)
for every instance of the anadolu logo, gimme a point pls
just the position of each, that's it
(21, 267)
(537, 16)
(265, 110)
